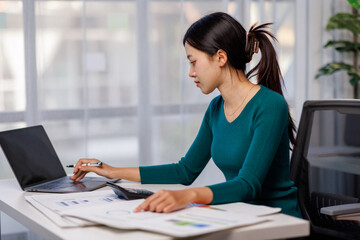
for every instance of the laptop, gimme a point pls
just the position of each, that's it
(36, 165)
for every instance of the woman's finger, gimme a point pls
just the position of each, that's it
(145, 206)
(76, 175)
(142, 207)
(80, 171)
(83, 161)
(160, 208)
(169, 208)
(81, 176)
(156, 202)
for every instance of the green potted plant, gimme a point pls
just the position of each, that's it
(350, 22)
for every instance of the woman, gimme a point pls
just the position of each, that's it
(245, 130)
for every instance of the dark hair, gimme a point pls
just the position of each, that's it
(221, 31)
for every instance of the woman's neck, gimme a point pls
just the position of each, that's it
(235, 88)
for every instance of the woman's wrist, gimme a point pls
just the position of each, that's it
(131, 174)
(192, 194)
(202, 195)
(113, 172)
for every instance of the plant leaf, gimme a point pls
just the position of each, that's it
(346, 21)
(354, 3)
(354, 77)
(354, 80)
(344, 46)
(333, 67)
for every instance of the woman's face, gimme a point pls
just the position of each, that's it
(204, 69)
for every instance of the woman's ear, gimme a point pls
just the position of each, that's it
(221, 57)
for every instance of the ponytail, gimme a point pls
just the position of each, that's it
(267, 70)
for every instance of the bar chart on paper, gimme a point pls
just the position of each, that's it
(76, 200)
(51, 205)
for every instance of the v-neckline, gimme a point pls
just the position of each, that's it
(242, 111)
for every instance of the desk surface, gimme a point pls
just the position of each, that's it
(14, 204)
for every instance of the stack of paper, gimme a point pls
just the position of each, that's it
(51, 205)
(103, 207)
(350, 216)
(349, 211)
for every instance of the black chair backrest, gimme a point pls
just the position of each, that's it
(300, 165)
(350, 107)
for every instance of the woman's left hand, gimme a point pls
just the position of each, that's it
(165, 201)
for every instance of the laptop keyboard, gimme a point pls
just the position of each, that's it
(66, 185)
(61, 184)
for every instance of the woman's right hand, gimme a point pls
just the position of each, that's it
(80, 171)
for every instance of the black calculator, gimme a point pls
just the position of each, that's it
(129, 193)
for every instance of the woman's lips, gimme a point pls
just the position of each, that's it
(197, 83)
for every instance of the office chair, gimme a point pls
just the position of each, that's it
(327, 139)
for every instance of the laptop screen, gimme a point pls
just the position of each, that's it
(31, 155)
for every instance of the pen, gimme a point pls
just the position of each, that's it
(95, 164)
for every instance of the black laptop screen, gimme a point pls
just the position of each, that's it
(31, 155)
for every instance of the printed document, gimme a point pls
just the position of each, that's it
(51, 205)
(104, 207)
(188, 222)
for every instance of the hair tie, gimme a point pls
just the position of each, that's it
(251, 46)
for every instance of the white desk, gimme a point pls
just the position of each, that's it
(12, 203)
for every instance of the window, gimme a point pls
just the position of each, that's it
(109, 79)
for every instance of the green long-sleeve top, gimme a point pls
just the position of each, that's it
(252, 152)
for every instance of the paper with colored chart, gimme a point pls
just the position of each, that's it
(104, 207)
(188, 222)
